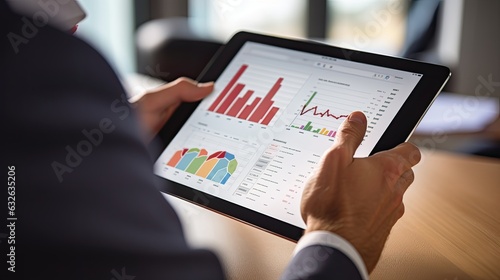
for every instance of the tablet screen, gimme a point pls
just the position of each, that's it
(256, 139)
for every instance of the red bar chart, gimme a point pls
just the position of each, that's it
(235, 101)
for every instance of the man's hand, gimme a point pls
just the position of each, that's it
(359, 199)
(157, 106)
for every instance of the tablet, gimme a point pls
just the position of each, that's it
(248, 148)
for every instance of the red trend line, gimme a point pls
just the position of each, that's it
(322, 114)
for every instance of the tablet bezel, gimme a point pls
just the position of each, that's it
(433, 80)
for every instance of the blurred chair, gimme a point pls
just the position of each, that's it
(421, 29)
(169, 48)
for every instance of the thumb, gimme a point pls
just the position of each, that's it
(180, 90)
(350, 133)
(188, 90)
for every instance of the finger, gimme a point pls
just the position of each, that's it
(400, 211)
(350, 133)
(405, 180)
(394, 216)
(408, 152)
(398, 160)
(190, 91)
(180, 90)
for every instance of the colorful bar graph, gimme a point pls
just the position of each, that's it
(217, 167)
(322, 131)
(230, 103)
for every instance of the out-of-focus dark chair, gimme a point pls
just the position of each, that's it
(169, 48)
(421, 29)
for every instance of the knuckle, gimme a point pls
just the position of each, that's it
(349, 130)
(391, 161)
(391, 166)
(411, 176)
(337, 153)
(415, 156)
(401, 210)
(183, 82)
(335, 150)
(390, 176)
(398, 197)
(408, 177)
(396, 165)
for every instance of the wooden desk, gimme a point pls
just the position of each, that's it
(451, 229)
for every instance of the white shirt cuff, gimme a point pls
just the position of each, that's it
(333, 240)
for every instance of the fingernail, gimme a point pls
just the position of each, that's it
(206, 84)
(357, 118)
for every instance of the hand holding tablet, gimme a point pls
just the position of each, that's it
(359, 199)
(247, 149)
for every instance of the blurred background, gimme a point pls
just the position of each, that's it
(166, 39)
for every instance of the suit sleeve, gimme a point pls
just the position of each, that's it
(318, 262)
(323, 254)
(88, 206)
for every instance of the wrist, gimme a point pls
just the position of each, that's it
(323, 225)
(339, 228)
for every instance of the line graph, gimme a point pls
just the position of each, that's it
(315, 112)
(324, 109)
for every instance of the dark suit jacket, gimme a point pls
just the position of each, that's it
(87, 205)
